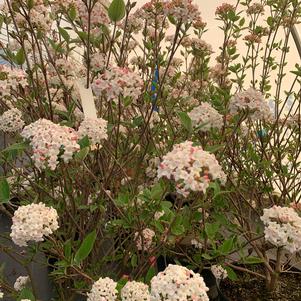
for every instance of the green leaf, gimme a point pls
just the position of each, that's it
(252, 260)
(64, 33)
(211, 229)
(20, 57)
(157, 191)
(116, 10)
(26, 293)
(85, 248)
(72, 13)
(177, 228)
(82, 154)
(227, 246)
(4, 191)
(16, 147)
(150, 274)
(68, 249)
(231, 274)
(186, 121)
(134, 261)
(84, 142)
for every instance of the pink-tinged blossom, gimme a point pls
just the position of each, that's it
(115, 82)
(252, 101)
(50, 142)
(144, 243)
(178, 283)
(182, 10)
(206, 116)
(191, 168)
(95, 129)
(282, 228)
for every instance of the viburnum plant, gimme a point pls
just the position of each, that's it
(125, 143)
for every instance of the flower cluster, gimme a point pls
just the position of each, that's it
(255, 8)
(95, 129)
(104, 289)
(21, 282)
(11, 79)
(145, 242)
(98, 61)
(32, 222)
(191, 168)
(135, 291)
(11, 121)
(219, 272)
(117, 81)
(50, 142)
(252, 101)
(182, 10)
(201, 45)
(153, 13)
(282, 228)
(40, 17)
(178, 283)
(224, 9)
(206, 116)
(99, 14)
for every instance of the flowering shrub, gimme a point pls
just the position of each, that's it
(127, 138)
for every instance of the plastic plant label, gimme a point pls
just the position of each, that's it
(87, 99)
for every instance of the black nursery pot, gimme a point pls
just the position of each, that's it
(214, 292)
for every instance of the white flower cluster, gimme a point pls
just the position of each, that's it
(98, 61)
(151, 170)
(182, 10)
(117, 81)
(95, 129)
(196, 244)
(206, 116)
(145, 243)
(219, 272)
(11, 121)
(1, 295)
(282, 228)
(50, 142)
(99, 14)
(21, 282)
(178, 283)
(32, 222)
(104, 289)
(252, 101)
(135, 291)
(10, 79)
(191, 168)
(40, 17)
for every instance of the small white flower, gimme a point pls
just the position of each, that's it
(11, 121)
(178, 283)
(21, 282)
(282, 228)
(219, 272)
(135, 291)
(191, 168)
(95, 129)
(104, 289)
(33, 222)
